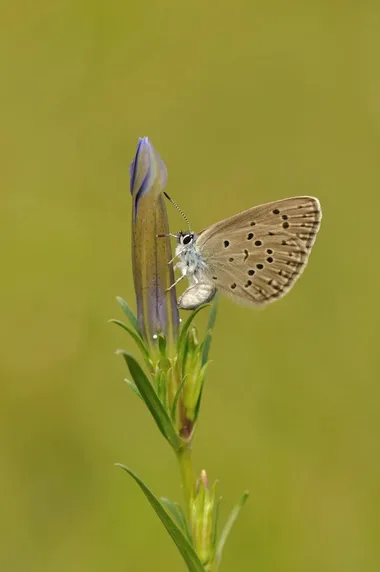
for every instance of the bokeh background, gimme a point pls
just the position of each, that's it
(246, 101)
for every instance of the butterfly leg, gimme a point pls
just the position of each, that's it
(165, 235)
(173, 259)
(175, 283)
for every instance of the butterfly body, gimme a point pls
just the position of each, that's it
(192, 264)
(255, 256)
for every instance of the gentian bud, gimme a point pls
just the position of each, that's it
(157, 311)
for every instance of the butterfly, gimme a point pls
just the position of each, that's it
(254, 256)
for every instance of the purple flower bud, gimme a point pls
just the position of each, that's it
(157, 310)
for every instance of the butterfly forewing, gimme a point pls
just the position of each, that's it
(258, 254)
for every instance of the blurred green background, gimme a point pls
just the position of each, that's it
(246, 101)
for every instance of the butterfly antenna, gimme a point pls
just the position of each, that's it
(178, 209)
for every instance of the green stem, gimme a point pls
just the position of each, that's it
(188, 478)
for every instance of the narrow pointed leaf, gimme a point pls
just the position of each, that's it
(135, 337)
(228, 526)
(206, 346)
(202, 376)
(213, 312)
(188, 553)
(161, 385)
(177, 513)
(216, 522)
(133, 387)
(130, 315)
(183, 356)
(210, 326)
(185, 329)
(162, 345)
(178, 393)
(152, 401)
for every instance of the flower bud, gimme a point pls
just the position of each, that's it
(157, 311)
(203, 515)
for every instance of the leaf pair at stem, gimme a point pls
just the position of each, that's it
(195, 529)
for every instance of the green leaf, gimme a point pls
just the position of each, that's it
(188, 553)
(133, 387)
(202, 377)
(177, 513)
(206, 346)
(161, 380)
(178, 393)
(228, 526)
(184, 356)
(210, 326)
(152, 401)
(216, 522)
(130, 315)
(139, 341)
(185, 329)
(213, 312)
(162, 344)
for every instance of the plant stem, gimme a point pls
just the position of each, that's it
(188, 477)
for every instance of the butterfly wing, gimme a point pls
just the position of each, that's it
(257, 255)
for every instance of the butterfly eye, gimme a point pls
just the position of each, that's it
(187, 239)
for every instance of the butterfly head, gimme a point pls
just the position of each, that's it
(186, 239)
